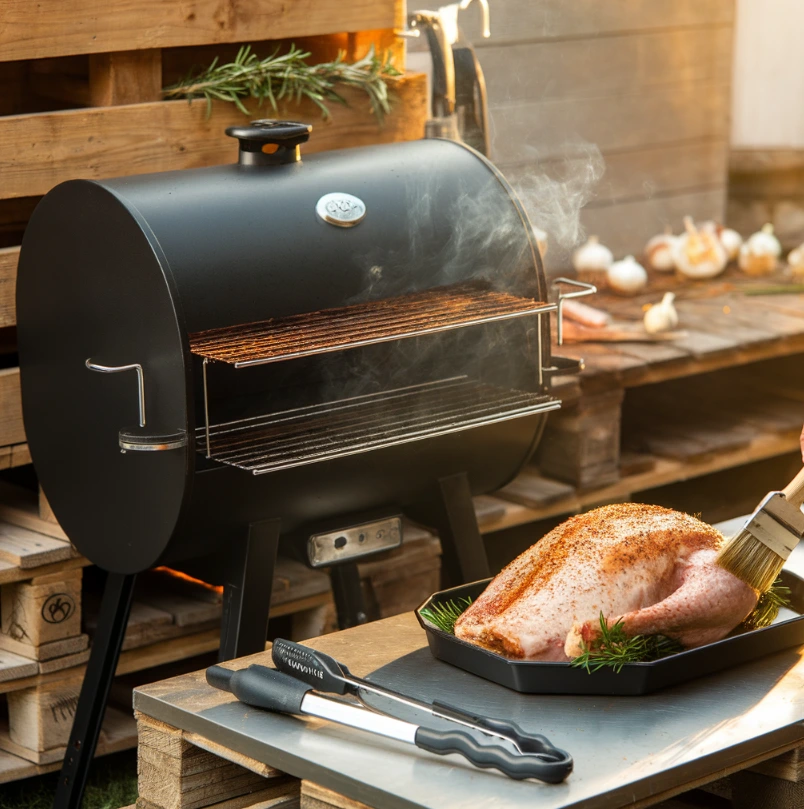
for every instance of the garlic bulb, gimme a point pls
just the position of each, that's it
(661, 316)
(796, 262)
(592, 261)
(659, 252)
(627, 276)
(760, 253)
(731, 240)
(698, 252)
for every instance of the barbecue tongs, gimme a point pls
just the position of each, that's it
(515, 753)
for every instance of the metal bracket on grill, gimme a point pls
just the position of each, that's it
(585, 289)
(114, 369)
(132, 438)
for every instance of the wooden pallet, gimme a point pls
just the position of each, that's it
(80, 96)
(181, 770)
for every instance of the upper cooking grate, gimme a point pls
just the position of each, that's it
(361, 324)
(363, 423)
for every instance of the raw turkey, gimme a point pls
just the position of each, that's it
(648, 566)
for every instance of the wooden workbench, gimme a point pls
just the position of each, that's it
(628, 751)
(641, 415)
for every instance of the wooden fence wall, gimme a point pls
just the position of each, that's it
(647, 82)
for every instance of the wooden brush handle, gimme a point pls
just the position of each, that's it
(794, 491)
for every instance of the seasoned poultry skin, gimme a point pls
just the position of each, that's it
(651, 567)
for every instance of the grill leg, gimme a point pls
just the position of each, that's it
(350, 602)
(106, 644)
(247, 591)
(452, 514)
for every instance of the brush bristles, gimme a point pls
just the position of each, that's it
(751, 561)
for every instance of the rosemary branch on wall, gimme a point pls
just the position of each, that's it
(288, 77)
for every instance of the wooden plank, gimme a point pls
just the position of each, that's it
(119, 733)
(56, 28)
(20, 455)
(38, 612)
(534, 20)
(8, 285)
(30, 549)
(20, 506)
(314, 796)
(533, 490)
(10, 573)
(45, 651)
(536, 131)
(632, 62)
(148, 657)
(44, 149)
(175, 774)
(14, 666)
(127, 77)
(764, 445)
(637, 173)
(12, 430)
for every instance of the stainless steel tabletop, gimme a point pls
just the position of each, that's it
(626, 749)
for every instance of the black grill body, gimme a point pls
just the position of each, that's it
(385, 404)
(131, 267)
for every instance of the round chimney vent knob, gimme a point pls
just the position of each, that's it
(286, 136)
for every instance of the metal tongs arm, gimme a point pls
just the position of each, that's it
(326, 674)
(274, 690)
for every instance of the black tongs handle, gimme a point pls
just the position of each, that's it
(492, 756)
(532, 743)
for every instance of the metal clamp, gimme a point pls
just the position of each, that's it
(585, 289)
(113, 369)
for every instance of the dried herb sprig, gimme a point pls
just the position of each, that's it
(614, 648)
(289, 77)
(444, 614)
(768, 606)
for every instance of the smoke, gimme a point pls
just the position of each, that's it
(555, 191)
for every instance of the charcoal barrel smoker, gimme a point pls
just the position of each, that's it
(217, 359)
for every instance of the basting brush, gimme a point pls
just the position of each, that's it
(758, 552)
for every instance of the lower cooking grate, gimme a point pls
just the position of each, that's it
(363, 423)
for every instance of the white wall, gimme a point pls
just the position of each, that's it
(768, 87)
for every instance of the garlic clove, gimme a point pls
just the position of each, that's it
(796, 261)
(760, 252)
(661, 316)
(698, 252)
(732, 241)
(592, 256)
(627, 276)
(659, 252)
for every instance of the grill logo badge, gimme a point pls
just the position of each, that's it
(343, 210)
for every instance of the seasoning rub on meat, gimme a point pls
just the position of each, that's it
(651, 567)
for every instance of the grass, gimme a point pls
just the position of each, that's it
(112, 784)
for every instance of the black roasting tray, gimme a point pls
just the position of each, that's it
(529, 677)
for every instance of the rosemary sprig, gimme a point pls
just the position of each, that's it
(444, 614)
(768, 606)
(614, 648)
(289, 77)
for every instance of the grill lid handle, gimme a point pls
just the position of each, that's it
(287, 136)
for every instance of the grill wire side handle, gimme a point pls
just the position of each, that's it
(583, 290)
(134, 438)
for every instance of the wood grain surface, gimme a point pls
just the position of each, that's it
(58, 28)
